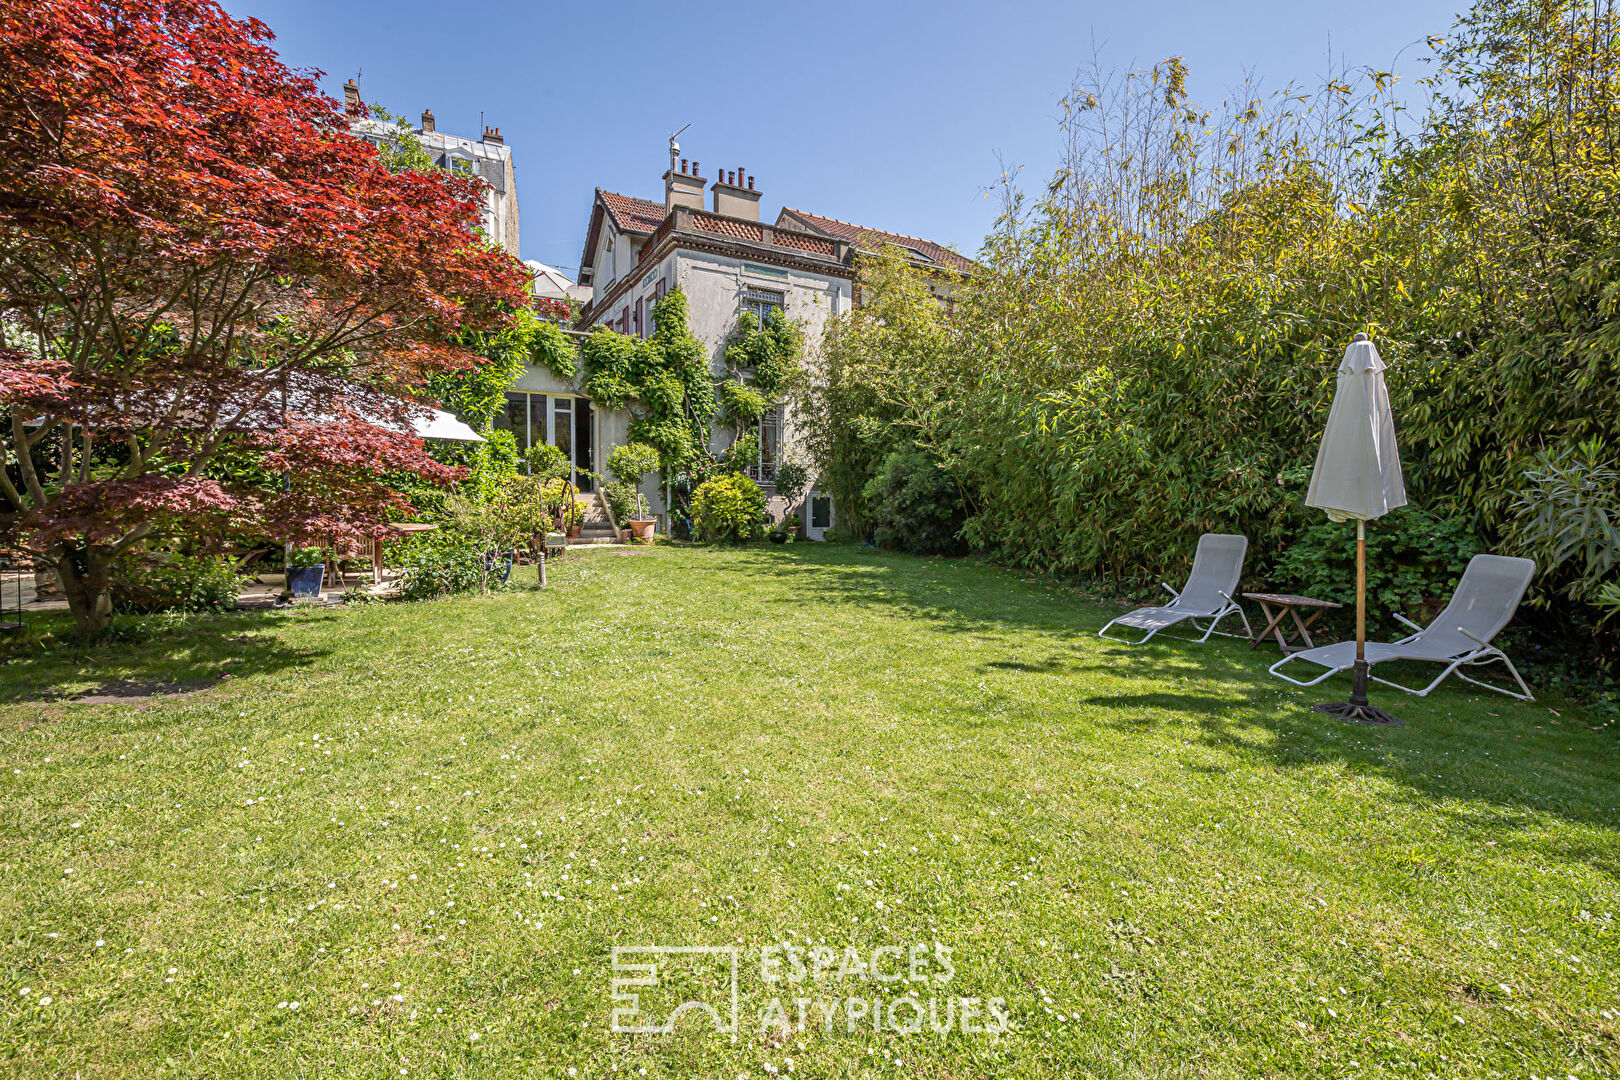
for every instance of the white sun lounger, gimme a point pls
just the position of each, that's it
(1216, 569)
(1459, 637)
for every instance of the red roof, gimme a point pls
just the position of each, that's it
(634, 215)
(874, 239)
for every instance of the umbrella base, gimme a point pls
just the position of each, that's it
(1357, 709)
(1361, 714)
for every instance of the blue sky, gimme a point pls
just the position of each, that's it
(891, 115)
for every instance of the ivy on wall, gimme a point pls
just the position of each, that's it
(664, 379)
(764, 363)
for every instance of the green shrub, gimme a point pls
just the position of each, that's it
(162, 581)
(436, 564)
(621, 498)
(792, 477)
(547, 462)
(1567, 518)
(915, 506)
(744, 453)
(741, 404)
(1413, 562)
(729, 509)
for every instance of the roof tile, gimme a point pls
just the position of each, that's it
(634, 215)
(870, 239)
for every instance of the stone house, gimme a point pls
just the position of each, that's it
(726, 260)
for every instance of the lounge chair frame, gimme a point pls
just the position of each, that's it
(1185, 611)
(1479, 653)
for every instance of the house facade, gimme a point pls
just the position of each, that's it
(488, 158)
(706, 238)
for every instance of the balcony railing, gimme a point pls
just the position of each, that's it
(763, 474)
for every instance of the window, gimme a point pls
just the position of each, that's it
(516, 419)
(640, 307)
(544, 419)
(762, 302)
(537, 419)
(563, 429)
(770, 446)
(461, 165)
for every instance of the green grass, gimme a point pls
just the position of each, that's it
(1160, 860)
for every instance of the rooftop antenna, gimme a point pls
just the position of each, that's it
(675, 148)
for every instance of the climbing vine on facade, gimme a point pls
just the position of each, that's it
(764, 362)
(664, 380)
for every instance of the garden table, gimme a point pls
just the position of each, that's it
(1286, 605)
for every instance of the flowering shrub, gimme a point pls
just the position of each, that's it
(729, 509)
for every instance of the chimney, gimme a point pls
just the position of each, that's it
(734, 196)
(427, 122)
(351, 100)
(492, 135)
(683, 188)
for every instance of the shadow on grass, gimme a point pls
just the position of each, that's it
(147, 657)
(1456, 744)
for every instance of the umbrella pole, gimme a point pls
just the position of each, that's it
(1360, 690)
(1358, 708)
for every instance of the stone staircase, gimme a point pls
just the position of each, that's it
(597, 529)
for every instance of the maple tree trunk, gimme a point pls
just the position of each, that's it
(88, 589)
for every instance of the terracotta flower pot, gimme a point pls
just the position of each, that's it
(573, 532)
(643, 528)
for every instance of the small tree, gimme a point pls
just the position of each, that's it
(630, 464)
(792, 477)
(512, 516)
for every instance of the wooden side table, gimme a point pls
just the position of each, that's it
(1286, 605)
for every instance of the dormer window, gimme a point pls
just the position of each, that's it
(461, 165)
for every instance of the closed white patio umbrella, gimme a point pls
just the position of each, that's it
(1358, 477)
(443, 425)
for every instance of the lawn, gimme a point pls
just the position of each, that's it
(402, 840)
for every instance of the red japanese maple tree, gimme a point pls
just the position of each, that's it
(197, 260)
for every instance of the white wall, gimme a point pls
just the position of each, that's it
(714, 289)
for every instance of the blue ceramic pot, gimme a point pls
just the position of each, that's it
(305, 581)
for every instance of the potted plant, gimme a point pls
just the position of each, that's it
(630, 464)
(792, 477)
(306, 569)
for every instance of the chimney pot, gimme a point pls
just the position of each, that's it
(682, 186)
(734, 195)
